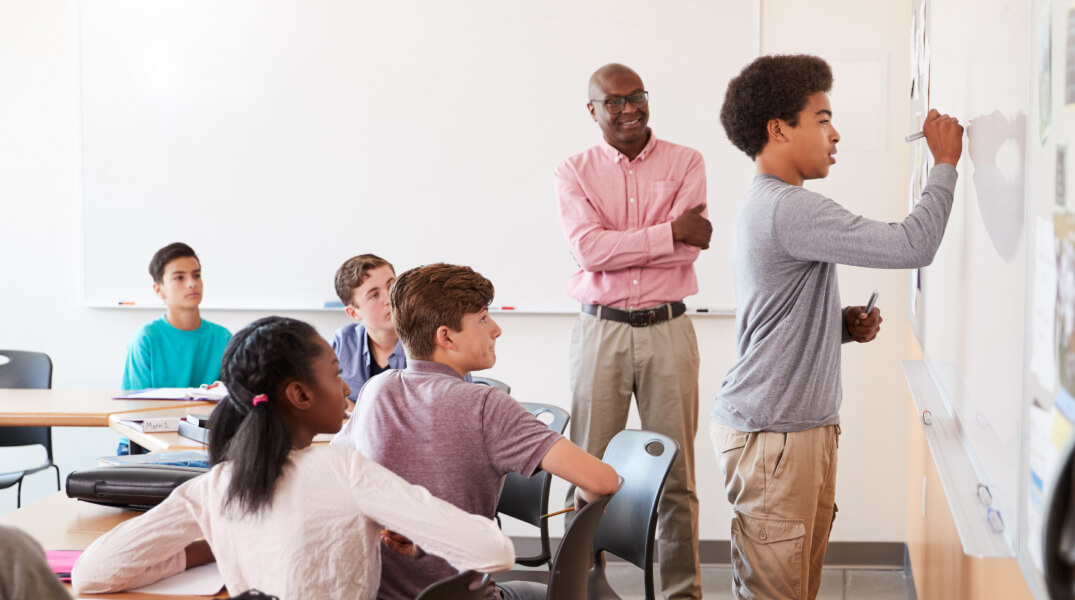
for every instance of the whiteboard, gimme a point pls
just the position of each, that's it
(969, 316)
(280, 137)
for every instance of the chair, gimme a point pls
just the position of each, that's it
(569, 571)
(492, 383)
(643, 459)
(26, 370)
(527, 498)
(1058, 537)
(458, 587)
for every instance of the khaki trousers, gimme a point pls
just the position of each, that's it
(658, 364)
(782, 487)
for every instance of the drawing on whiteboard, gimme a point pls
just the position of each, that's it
(997, 150)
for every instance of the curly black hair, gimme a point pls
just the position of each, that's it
(771, 87)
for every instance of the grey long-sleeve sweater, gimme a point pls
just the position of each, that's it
(789, 322)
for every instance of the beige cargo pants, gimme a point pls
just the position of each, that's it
(782, 487)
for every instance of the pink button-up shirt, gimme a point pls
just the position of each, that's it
(617, 216)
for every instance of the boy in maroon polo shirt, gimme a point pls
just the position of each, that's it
(457, 439)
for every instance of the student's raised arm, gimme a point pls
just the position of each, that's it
(465, 540)
(591, 476)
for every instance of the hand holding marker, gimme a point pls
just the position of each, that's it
(873, 300)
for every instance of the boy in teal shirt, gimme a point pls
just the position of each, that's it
(179, 349)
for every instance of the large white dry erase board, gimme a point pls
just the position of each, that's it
(988, 311)
(973, 294)
(280, 137)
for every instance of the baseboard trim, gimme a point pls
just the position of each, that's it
(875, 555)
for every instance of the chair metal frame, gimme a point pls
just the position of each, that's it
(26, 370)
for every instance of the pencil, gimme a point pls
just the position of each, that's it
(559, 512)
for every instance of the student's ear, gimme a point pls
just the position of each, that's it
(297, 395)
(775, 129)
(442, 338)
(157, 289)
(351, 312)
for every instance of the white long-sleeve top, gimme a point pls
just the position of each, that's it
(318, 539)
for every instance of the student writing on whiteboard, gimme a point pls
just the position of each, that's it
(775, 424)
(633, 210)
(180, 349)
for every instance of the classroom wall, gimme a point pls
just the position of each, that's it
(40, 257)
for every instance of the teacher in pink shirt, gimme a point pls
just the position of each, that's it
(633, 211)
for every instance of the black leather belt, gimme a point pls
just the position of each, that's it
(637, 318)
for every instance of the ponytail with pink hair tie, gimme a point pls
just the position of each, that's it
(259, 399)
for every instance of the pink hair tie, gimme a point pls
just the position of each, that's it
(259, 399)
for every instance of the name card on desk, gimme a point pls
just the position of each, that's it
(152, 424)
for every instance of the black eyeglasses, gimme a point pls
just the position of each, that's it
(615, 105)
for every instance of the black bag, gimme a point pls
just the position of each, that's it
(136, 487)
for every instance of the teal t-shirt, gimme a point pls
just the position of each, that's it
(163, 356)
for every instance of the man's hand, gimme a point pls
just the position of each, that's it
(944, 135)
(401, 544)
(862, 327)
(692, 228)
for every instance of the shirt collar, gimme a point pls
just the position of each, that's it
(616, 156)
(432, 366)
(367, 356)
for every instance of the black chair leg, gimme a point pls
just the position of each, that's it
(18, 494)
(57, 476)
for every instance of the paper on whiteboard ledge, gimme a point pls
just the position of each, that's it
(199, 581)
(1043, 303)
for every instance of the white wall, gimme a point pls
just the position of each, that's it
(40, 258)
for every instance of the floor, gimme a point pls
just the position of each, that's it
(836, 583)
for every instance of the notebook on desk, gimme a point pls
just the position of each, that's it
(214, 392)
(183, 458)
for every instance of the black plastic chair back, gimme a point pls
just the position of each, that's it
(1058, 539)
(489, 381)
(642, 459)
(570, 570)
(26, 370)
(468, 585)
(527, 498)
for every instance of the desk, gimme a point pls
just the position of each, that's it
(73, 408)
(157, 442)
(61, 523)
(171, 440)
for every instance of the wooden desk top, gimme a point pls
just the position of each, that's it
(61, 523)
(74, 408)
(171, 440)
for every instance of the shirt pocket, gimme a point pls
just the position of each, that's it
(663, 193)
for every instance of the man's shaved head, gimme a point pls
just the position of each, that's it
(602, 74)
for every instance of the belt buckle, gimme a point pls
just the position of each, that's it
(642, 318)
